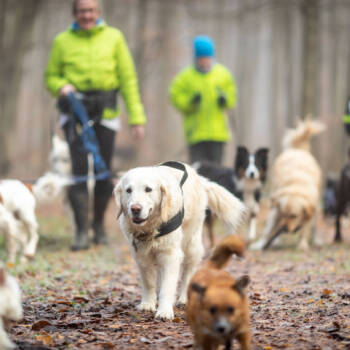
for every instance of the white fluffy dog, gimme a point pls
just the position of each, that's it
(296, 184)
(163, 220)
(10, 306)
(17, 212)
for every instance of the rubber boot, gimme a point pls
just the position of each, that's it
(100, 206)
(79, 200)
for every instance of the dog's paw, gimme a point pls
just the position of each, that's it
(182, 301)
(258, 245)
(165, 314)
(144, 306)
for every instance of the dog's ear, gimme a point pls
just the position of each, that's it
(198, 288)
(262, 154)
(117, 192)
(165, 203)
(308, 211)
(242, 156)
(241, 283)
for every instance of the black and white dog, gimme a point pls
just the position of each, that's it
(245, 181)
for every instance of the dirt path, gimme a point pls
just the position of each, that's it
(87, 300)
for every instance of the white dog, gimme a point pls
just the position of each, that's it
(17, 212)
(10, 306)
(163, 220)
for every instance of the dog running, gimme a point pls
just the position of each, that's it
(217, 309)
(162, 210)
(244, 180)
(296, 186)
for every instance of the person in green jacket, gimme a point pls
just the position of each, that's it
(92, 60)
(202, 93)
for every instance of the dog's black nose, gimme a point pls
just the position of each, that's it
(220, 329)
(251, 175)
(136, 209)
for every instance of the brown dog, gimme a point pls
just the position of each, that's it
(217, 309)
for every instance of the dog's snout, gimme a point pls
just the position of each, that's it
(136, 209)
(251, 174)
(221, 326)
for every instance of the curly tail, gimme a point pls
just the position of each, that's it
(231, 244)
(300, 136)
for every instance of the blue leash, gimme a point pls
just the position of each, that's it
(89, 141)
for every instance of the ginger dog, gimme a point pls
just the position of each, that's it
(217, 309)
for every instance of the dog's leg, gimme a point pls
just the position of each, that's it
(148, 282)
(193, 255)
(252, 227)
(5, 342)
(209, 221)
(305, 234)
(31, 226)
(270, 230)
(244, 340)
(169, 267)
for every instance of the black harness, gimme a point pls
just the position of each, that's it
(176, 221)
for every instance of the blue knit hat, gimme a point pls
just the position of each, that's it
(203, 46)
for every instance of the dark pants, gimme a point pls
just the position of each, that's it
(211, 151)
(103, 188)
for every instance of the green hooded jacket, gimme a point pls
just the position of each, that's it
(96, 59)
(209, 121)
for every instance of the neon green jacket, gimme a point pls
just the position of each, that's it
(96, 59)
(209, 121)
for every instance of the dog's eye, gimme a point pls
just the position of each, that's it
(230, 310)
(213, 310)
(148, 189)
(129, 190)
(292, 216)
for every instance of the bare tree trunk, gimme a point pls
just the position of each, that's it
(15, 40)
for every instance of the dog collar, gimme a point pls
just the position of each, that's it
(176, 221)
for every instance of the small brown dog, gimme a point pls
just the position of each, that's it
(217, 309)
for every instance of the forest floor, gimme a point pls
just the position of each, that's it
(87, 300)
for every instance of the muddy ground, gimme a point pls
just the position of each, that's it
(87, 300)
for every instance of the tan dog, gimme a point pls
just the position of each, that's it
(296, 185)
(217, 308)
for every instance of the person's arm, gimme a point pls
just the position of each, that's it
(229, 90)
(128, 84)
(54, 74)
(180, 94)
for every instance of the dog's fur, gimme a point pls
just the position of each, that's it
(342, 198)
(217, 308)
(17, 212)
(244, 180)
(296, 185)
(145, 198)
(10, 306)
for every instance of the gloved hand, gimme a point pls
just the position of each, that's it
(222, 101)
(196, 99)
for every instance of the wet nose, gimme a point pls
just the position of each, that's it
(220, 329)
(136, 209)
(251, 175)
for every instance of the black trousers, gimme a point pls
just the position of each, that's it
(211, 151)
(106, 138)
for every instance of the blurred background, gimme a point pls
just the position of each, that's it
(289, 58)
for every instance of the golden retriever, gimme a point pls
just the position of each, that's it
(217, 309)
(296, 185)
(162, 210)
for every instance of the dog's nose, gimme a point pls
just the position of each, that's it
(251, 175)
(136, 209)
(220, 329)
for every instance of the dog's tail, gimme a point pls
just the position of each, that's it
(224, 204)
(48, 187)
(300, 136)
(231, 244)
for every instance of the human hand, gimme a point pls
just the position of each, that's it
(222, 101)
(138, 132)
(66, 89)
(196, 99)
